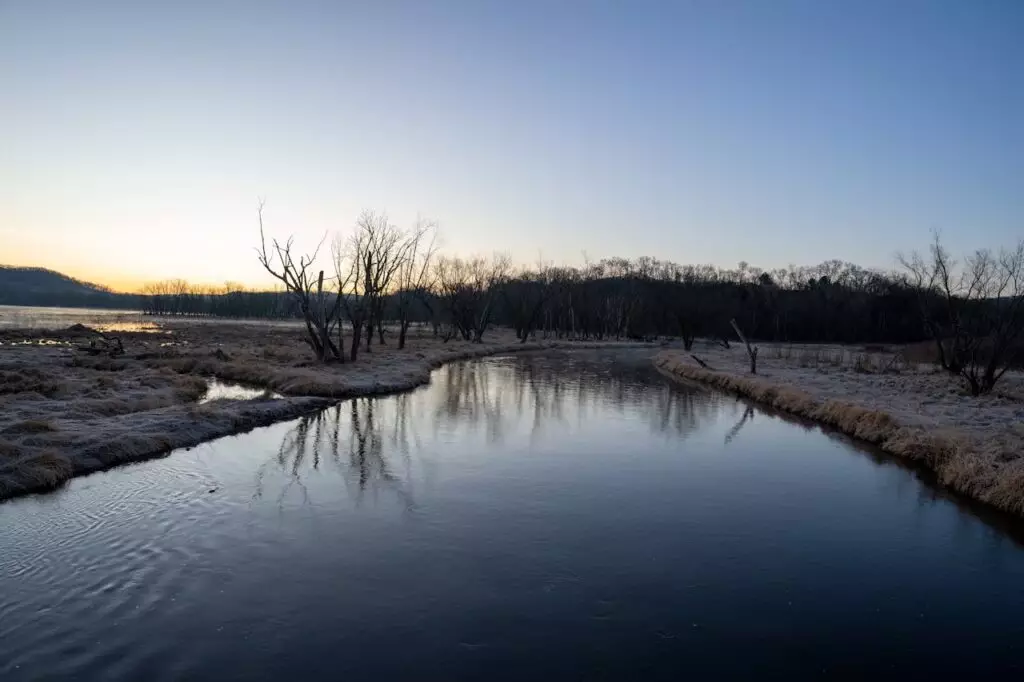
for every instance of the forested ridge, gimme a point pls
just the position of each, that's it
(40, 286)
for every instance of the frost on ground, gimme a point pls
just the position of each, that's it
(974, 444)
(65, 412)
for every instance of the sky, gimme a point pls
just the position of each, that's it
(136, 137)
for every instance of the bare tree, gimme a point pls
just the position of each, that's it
(468, 289)
(367, 264)
(488, 277)
(306, 287)
(974, 311)
(348, 268)
(525, 297)
(451, 275)
(415, 276)
(382, 248)
(932, 280)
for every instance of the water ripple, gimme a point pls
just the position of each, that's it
(516, 512)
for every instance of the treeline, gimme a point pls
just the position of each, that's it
(613, 298)
(971, 310)
(384, 276)
(176, 297)
(647, 297)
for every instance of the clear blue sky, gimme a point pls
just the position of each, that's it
(137, 135)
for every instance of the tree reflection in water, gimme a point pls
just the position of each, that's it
(353, 439)
(563, 389)
(373, 444)
(748, 415)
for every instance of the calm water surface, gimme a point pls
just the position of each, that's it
(59, 318)
(569, 516)
(41, 317)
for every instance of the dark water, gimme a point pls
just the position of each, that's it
(537, 517)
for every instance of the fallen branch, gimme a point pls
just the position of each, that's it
(701, 362)
(891, 363)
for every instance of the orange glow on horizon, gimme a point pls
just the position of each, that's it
(123, 283)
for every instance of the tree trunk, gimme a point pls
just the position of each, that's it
(403, 327)
(336, 351)
(356, 338)
(314, 338)
(751, 350)
(972, 384)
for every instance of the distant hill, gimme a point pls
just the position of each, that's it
(42, 287)
(43, 281)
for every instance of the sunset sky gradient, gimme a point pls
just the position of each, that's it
(137, 136)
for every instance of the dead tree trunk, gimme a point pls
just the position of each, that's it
(341, 341)
(751, 350)
(403, 328)
(357, 329)
(322, 313)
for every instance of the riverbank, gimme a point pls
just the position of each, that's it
(975, 445)
(65, 412)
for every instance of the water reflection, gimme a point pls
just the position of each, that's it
(368, 443)
(355, 440)
(748, 415)
(566, 389)
(385, 447)
(530, 517)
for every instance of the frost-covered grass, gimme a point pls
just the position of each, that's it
(975, 445)
(64, 412)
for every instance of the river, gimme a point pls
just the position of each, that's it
(538, 516)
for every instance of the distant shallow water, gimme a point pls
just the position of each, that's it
(540, 516)
(42, 317)
(28, 317)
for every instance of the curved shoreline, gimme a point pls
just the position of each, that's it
(100, 444)
(954, 457)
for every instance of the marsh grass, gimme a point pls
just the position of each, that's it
(30, 426)
(30, 380)
(872, 359)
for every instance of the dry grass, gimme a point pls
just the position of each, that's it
(35, 471)
(871, 359)
(30, 426)
(29, 380)
(984, 464)
(64, 413)
(927, 352)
